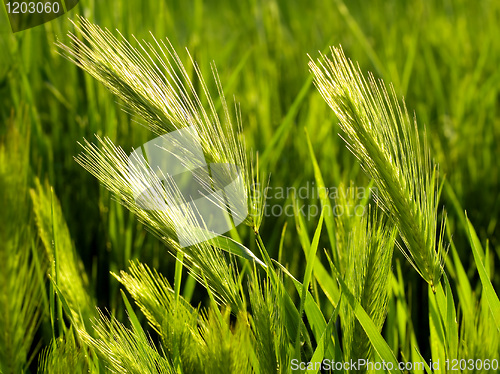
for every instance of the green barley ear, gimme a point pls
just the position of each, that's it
(369, 248)
(349, 211)
(272, 347)
(66, 355)
(109, 164)
(156, 299)
(154, 84)
(21, 277)
(379, 132)
(125, 350)
(66, 268)
(193, 341)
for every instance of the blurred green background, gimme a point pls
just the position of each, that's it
(442, 56)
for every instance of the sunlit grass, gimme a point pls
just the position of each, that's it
(229, 314)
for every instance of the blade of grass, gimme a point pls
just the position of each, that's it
(378, 342)
(292, 317)
(325, 200)
(276, 144)
(324, 343)
(451, 321)
(136, 325)
(488, 289)
(178, 274)
(437, 335)
(426, 366)
(324, 279)
(307, 278)
(314, 315)
(229, 245)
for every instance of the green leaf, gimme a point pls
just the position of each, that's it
(426, 366)
(313, 312)
(292, 317)
(307, 277)
(324, 343)
(229, 245)
(178, 274)
(437, 336)
(133, 317)
(326, 282)
(378, 342)
(278, 141)
(488, 290)
(464, 288)
(304, 239)
(325, 200)
(324, 279)
(451, 321)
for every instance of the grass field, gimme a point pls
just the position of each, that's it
(69, 246)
